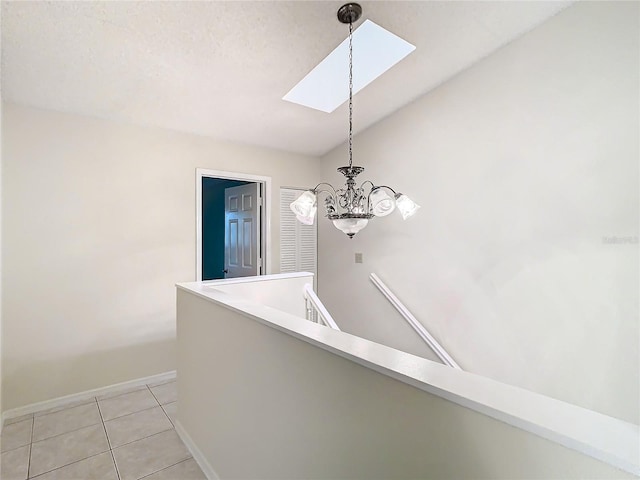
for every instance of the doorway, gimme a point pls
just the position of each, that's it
(232, 225)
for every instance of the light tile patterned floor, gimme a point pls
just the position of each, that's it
(123, 436)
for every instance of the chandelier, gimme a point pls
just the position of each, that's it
(351, 207)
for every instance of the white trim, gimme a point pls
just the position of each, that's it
(86, 395)
(197, 455)
(414, 323)
(266, 220)
(261, 278)
(311, 296)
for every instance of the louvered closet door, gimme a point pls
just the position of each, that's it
(298, 242)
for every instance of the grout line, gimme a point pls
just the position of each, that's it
(116, 395)
(95, 400)
(167, 415)
(104, 426)
(21, 418)
(132, 413)
(15, 448)
(24, 420)
(143, 438)
(102, 422)
(170, 466)
(46, 412)
(58, 434)
(160, 384)
(154, 395)
(66, 465)
(110, 447)
(161, 405)
(33, 421)
(64, 433)
(148, 436)
(113, 459)
(28, 460)
(158, 401)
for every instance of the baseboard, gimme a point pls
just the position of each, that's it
(200, 459)
(68, 399)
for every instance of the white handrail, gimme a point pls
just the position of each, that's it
(415, 324)
(316, 312)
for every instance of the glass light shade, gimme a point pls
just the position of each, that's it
(350, 226)
(381, 202)
(305, 205)
(406, 206)
(308, 220)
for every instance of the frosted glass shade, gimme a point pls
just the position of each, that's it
(406, 206)
(305, 206)
(350, 226)
(381, 202)
(308, 220)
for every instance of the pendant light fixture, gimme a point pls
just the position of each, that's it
(351, 207)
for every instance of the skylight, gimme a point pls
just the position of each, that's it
(326, 87)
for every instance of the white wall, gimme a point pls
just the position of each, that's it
(284, 292)
(1, 195)
(262, 394)
(98, 225)
(523, 164)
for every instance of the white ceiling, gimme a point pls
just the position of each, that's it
(221, 68)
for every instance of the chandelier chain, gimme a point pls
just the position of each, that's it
(351, 207)
(350, 94)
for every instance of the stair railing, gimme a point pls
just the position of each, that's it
(414, 323)
(316, 312)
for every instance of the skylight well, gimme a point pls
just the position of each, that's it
(375, 50)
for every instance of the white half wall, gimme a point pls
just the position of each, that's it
(98, 224)
(264, 394)
(1, 195)
(284, 291)
(523, 261)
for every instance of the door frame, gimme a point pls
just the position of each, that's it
(265, 221)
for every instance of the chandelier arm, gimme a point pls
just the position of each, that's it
(373, 187)
(368, 194)
(316, 190)
(383, 186)
(369, 182)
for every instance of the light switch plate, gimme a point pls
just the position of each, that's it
(358, 258)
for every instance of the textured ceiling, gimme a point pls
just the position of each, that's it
(221, 68)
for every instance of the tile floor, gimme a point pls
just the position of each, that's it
(123, 436)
